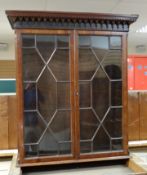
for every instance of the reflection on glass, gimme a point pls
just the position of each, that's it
(112, 64)
(28, 40)
(116, 93)
(85, 94)
(101, 141)
(29, 96)
(65, 148)
(84, 41)
(62, 41)
(114, 120)
(32, 64)
(59, 64)
(46, 73)
(100, 42)
(100, 95)
(60, 126)
(100, 88)
(88, 124)
(87, 64)
(100, 53)
(48, 144)
(34, 127)
(85, 146)
(63, 95)
(115, 42)
(56, 139)
(47, 97)
(46, 45)
(31, 150)
(113, 71)
(117, 144)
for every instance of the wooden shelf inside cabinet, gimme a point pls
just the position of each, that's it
(71, 86)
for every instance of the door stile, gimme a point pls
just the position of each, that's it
(72, 94)
(19, 90)
(76, 95)
(124, 93)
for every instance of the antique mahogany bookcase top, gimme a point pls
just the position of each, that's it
(71, 86)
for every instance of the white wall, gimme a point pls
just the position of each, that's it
(9, 52)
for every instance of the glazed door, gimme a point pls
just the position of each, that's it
(72, 95)
(48, 104)
(100, 93)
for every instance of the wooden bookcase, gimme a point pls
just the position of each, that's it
(71, 86)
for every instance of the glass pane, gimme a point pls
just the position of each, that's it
(34, 127)
(47, 130)
(112, 64)
(101, 141)
(59, 64)
(48, 144)
(60, 126)
(114, 120)
(31, 150)
(100, 42)
(85, 94)
(63, 95)
(115, 42)
(62, 41)
(116, 93)
(100, 46)
(57, 138)
(117, 144)
(47, 97)
(100, 53)
(100, 93)
(28, 40)
(32, 64)
(87, 64)
(84, 41)
(30, 96)
(85, 147)
(45, 45)
(88, 124)
(100, 88)
(65, 148)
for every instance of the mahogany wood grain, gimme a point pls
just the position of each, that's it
(72, 67)
(70, 161)
(19, 90)
(76, 90)
(124, 94)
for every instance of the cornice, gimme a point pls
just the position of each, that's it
(69, 20)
